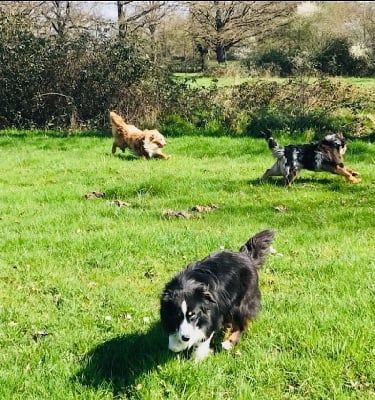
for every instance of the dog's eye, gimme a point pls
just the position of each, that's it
(191, 315)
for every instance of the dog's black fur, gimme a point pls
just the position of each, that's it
(220, 290)
(325, 155)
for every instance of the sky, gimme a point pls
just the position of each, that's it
(107, 9)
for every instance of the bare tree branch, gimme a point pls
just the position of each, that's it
(221, 25)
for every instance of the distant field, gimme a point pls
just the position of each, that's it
(80, 279)
(199, 80)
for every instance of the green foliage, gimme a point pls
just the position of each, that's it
(176, 126)
(274, 62)
(47, 83)
(297, 105)
(81, 279)
(251, 108)
(291, 106)
(21, 71)
(335, 59)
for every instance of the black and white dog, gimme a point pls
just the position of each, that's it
(325, 155)
(222, 290)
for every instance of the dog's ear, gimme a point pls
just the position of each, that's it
(267, 134)
(340, 135)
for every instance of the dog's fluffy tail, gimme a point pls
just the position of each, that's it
(277, 150)
(258, 246)
(115, 119)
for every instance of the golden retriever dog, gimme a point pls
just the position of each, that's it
(145, 144)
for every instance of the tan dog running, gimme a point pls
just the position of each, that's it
(146, 144)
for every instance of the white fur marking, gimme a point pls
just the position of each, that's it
(330, 138)
(187, 330)
(175, 344)
(203, 350)
(318, 160)
(184, 307)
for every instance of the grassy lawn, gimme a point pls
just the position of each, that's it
(197, 79)
(80, 278)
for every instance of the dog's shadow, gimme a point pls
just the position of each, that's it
(119, 362)
(124, 156)
(279, 181)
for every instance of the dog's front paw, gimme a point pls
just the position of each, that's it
(201, 352)
(227, 345)
(355, 180)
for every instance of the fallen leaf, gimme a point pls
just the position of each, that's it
(120, 203)
(280, 208)
(38, 334)
(178, 214)
(209, 207)
(94, 195)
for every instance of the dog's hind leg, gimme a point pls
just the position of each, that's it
(114, 147)
(273, 171)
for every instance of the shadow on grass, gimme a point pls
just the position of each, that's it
(120, 361)
(127, 156)
(279, 181)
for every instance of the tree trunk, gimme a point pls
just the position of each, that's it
(221, 56)
(220, 50)
(121, 19)
(203, 51)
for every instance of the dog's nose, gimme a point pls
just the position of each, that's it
(185, 338)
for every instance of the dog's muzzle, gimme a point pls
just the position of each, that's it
(176, 344)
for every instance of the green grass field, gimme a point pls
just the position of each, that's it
(196, 79)
(80, 278)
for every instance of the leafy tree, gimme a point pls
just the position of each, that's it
(335, 58)
(222, 25)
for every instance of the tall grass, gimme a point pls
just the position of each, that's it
(80, 278)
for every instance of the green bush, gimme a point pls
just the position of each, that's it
(174, 125)
(252, 108)
(275, 62)
(46, 83)
(335, 59)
